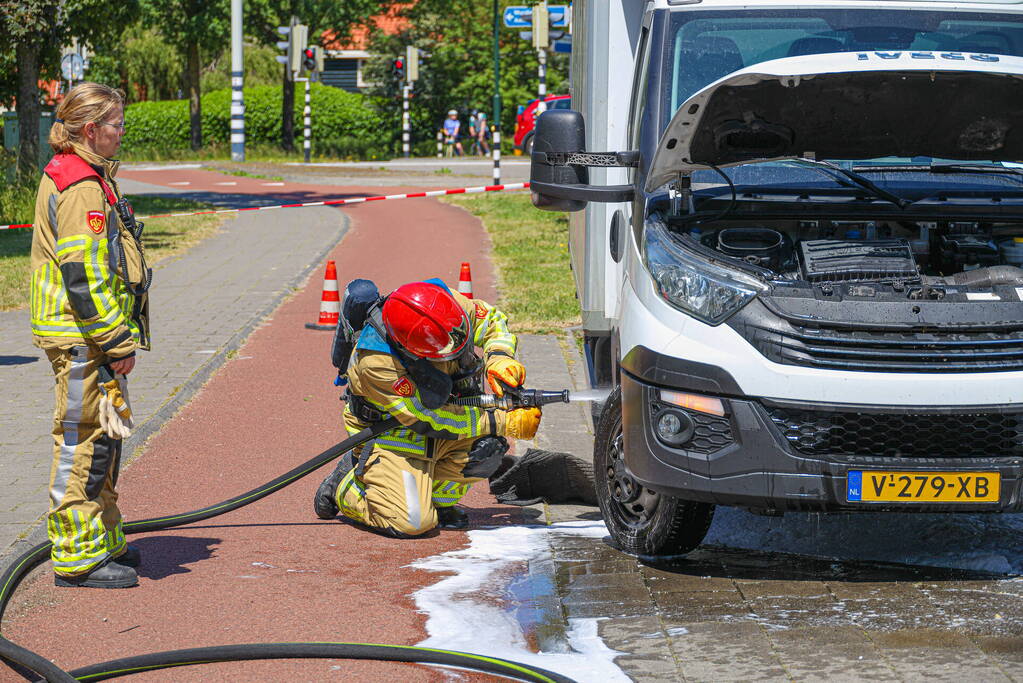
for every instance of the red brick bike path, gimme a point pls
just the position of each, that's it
(270, 571)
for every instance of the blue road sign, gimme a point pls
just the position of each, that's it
(564, 45)
(518, 16)
(558, 15)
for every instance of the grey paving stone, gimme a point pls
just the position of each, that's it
(650, 657)
(724, 652)
(933, 655)
(1005, 651)
(831, 653)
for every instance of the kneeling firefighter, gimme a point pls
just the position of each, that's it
(410, 356)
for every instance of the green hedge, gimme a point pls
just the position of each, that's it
(343, 124)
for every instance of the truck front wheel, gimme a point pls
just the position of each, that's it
(641, 521)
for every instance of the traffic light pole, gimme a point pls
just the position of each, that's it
(307, 121)
(497, 97)
(406, 121)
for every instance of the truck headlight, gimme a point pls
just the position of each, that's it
(704, 290)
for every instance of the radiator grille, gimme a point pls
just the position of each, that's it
(979, 435)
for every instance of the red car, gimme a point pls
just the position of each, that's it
(526, 120)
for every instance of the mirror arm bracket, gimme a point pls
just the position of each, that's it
(628, 159)
(586, 193)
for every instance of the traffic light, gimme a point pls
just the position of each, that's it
(297, 37)
(412, 63)
(398, 68)
(309, 59)
(541, 23)
(320, 57)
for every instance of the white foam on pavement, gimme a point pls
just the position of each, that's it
(471, 610)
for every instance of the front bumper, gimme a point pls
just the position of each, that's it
(759, 455)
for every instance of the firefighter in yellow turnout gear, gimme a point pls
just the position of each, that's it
(89, 313)
(408, 365)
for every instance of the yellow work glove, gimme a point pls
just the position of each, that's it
(114, 409)
(522, 423)
(504, 369)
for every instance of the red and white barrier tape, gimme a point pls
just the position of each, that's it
(328, 202)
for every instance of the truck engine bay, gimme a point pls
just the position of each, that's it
(971, 261)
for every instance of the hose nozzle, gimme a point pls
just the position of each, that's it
(515, 398)
(535, 398)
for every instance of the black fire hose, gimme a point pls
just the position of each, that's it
(30, 661)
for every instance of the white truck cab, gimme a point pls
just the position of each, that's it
(798, 248)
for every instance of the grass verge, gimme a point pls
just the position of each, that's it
(531, 258)
(163, 237)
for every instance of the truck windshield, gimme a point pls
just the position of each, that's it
(707, 45)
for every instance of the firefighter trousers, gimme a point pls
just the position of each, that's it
(401, 491)
(84, 524)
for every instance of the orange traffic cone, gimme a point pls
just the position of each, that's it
(465, 281)
(330, 302)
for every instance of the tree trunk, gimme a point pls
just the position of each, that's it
(194, 101)
(288, 112)
(27, 54)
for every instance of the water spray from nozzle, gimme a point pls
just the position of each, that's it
(590, 395)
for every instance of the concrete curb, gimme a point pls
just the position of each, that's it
(184, 393)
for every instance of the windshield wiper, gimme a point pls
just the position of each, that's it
(859, 180)
(981, 169)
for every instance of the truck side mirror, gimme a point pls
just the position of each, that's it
(558, 173)
(558, 131)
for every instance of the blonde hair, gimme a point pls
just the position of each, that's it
(86, 102)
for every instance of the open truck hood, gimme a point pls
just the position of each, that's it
(850, 105)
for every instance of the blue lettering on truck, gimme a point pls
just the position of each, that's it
(951, 56)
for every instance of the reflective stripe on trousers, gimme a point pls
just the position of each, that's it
(447, 493)
(84, 524)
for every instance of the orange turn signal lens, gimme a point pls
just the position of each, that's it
(701, 404)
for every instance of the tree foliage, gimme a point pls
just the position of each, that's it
(35, 31)
(264, 16)
(459, 74)
(259, 63)
(141, 63)
(193, 27)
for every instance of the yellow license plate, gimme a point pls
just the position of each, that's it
(876, 486)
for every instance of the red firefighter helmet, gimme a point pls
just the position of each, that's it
(426, 321)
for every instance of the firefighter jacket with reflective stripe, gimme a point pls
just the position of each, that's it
(377, 375)
(83, 260)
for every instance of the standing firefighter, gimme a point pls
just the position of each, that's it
(89, 314)
(414, 356)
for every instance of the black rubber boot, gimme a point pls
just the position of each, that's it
(452, 517)
(323, 502)
(131, 557)
(108, 575)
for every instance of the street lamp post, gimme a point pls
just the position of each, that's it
(497, 98)
(237, 81)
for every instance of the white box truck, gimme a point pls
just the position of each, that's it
(797, 248)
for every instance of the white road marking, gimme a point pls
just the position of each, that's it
(181, 182)
(169, 167)
(228, 182)
(271, 184)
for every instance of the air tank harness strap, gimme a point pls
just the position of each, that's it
(360, 408)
